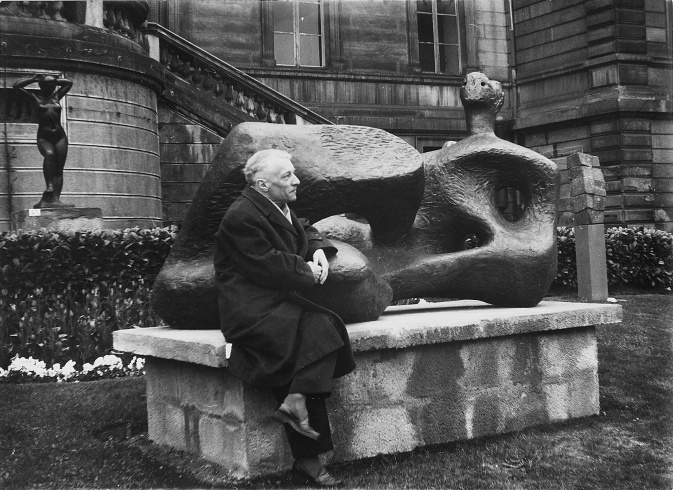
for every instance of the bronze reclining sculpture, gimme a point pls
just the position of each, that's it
(420, 213)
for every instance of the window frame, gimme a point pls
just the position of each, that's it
(414, 43)
(297, 34)
(436, 42)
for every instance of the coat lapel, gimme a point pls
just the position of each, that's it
(270, 211)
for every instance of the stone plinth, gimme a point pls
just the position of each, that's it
(591, 259)
(426, 375)
(59, 219)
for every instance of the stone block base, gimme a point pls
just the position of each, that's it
(59, 219)
(398, 400)
(430, 375)
(205, 411)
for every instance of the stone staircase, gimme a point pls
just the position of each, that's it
(203, 98)
(214, 93)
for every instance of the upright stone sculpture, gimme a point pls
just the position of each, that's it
(420, 212)
(587, 192)
(51, 138)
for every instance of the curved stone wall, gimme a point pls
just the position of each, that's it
(113, 156)
(110, 117)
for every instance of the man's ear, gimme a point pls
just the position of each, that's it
(261, 184)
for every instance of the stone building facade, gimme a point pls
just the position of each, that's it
(580, 76)
(152, 101)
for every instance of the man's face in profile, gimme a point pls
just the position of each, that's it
(280, 180)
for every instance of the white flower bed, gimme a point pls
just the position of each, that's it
(22, 370)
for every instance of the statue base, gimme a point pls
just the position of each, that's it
(59, 219)
(425, 375)
(48, 201)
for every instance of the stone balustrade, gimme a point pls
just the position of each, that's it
(39, 10)
(221, 80)
(188, 62)
(208, 79)
(121, 17)
(125, 18)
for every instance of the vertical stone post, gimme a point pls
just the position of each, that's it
(587, 192)
(153, 46)
(94, 13)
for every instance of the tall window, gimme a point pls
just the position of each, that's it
(438, 46)
(298, 32)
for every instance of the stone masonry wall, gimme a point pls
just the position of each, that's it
(444, 392)
(396, 400)
(186, 149)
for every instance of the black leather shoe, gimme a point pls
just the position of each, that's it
(302, 426)
(324, 478)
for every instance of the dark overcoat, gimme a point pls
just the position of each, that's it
(261, 270)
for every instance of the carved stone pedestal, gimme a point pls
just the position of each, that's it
(60, 219)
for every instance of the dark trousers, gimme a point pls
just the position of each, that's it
(314, 381)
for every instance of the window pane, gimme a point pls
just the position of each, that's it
(448, 31)
(283, 48)
(449, 62)
(425, 32)
(309, 18)
(426, 55)
(283, 16)
(309, 50)
(424, 6)
(446, 6)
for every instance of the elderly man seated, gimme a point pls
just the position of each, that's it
(265, 257)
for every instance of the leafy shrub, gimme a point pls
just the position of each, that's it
(56, 328)
(566, 268)
(79, 261)
(63, 294)
(640, 257)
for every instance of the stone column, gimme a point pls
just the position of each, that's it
(587, 192)
(94, 13)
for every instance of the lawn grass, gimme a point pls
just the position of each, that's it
(94, 434)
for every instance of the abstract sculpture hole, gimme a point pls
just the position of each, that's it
(511, 203)
(472, 240)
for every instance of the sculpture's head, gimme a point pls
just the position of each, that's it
(480, 92)
(47, 83)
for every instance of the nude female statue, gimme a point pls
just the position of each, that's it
(51, 138)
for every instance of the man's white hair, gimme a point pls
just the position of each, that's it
(257, 163)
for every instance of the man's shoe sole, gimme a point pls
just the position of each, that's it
(287, 418)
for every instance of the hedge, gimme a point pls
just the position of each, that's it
(640, 257)
(56, 261)
(62, 294)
